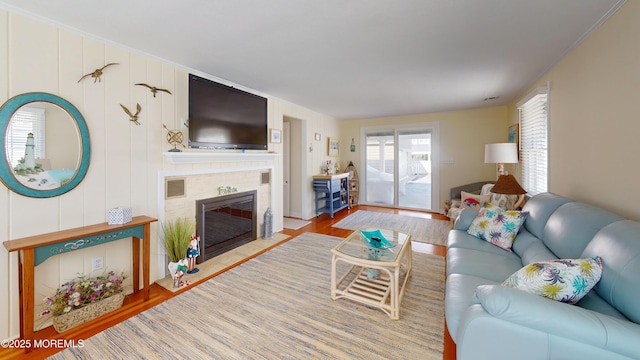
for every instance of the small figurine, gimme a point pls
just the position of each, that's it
(182, 266)
(176, 278)
(192, 253)
(181, 269)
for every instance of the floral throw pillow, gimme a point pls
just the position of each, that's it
(565, 280)
(497, 225)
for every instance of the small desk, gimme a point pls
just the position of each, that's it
(34, 250)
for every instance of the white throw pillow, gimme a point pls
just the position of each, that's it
(564, 280)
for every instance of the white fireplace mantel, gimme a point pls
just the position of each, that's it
(188, 157)
(184, 158)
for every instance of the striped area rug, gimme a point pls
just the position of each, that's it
(278, 306)
(421, 230)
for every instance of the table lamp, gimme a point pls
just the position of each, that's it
(508, 185)
(500, 154)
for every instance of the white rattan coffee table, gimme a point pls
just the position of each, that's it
(375, 278)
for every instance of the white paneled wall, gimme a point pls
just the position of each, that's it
(125, 158)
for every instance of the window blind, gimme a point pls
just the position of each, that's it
(534, 141)
(24, 121)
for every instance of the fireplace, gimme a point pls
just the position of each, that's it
(225, 222)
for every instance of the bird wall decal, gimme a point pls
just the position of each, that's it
(97, 73)
(132, 117)
(154, 89)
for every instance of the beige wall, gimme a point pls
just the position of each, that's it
(594, 124)
(462, 135)
(126, 160)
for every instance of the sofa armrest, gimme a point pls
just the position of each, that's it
(560, 319)
(465, 219)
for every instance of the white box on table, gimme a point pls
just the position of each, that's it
(119, 215)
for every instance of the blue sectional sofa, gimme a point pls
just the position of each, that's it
(489, 321)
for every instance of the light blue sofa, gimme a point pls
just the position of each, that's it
(490, 321)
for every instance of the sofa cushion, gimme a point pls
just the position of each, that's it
(564, 280)
(459, 291)
(530, 248)
(460, 239)
(540, 207)
(592, 301)
(619, 247)
(497, 225)
(482, 264)
(572, 226)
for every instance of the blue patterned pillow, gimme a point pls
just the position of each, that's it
(565, 280)
(497, 225)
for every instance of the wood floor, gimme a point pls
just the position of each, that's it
(134, 304)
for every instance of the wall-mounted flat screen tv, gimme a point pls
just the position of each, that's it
(223, 117)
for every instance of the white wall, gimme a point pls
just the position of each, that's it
(125, 158)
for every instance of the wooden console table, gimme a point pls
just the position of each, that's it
(34, 250)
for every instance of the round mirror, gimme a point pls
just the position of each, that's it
(45, 143)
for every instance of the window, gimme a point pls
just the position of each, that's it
(24, 121)
(534, 124)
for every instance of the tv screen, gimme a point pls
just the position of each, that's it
(223, 117)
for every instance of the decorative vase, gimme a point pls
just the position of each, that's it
(267, 232)
(87, 313)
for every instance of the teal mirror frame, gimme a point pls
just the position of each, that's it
(6, 172)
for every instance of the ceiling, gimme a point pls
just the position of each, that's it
(347, 59)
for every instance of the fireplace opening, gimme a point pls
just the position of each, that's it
(225, 222)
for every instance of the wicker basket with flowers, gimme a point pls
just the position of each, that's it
(84, 299)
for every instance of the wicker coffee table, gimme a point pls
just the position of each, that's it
(373, 277)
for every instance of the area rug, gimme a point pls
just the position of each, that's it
(422, 230)
(278, 306)
(294, 224)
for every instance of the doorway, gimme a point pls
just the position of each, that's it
(293, 163)
(286, 168)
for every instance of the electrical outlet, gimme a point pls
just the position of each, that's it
(97, 263)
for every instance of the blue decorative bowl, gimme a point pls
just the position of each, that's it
(375, 239)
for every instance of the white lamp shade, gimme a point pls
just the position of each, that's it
(501, 153)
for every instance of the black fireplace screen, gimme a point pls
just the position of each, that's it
(225, 222)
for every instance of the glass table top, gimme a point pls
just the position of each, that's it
(356, 246)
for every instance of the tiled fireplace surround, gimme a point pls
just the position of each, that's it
(204, 183)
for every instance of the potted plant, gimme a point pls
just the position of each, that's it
(84, 299)
(177, 238)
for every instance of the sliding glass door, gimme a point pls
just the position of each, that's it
(414, 160)
(380, 179)
(399, 169)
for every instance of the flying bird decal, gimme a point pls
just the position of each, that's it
(97, 73)
(132, 117)
(154, 89)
